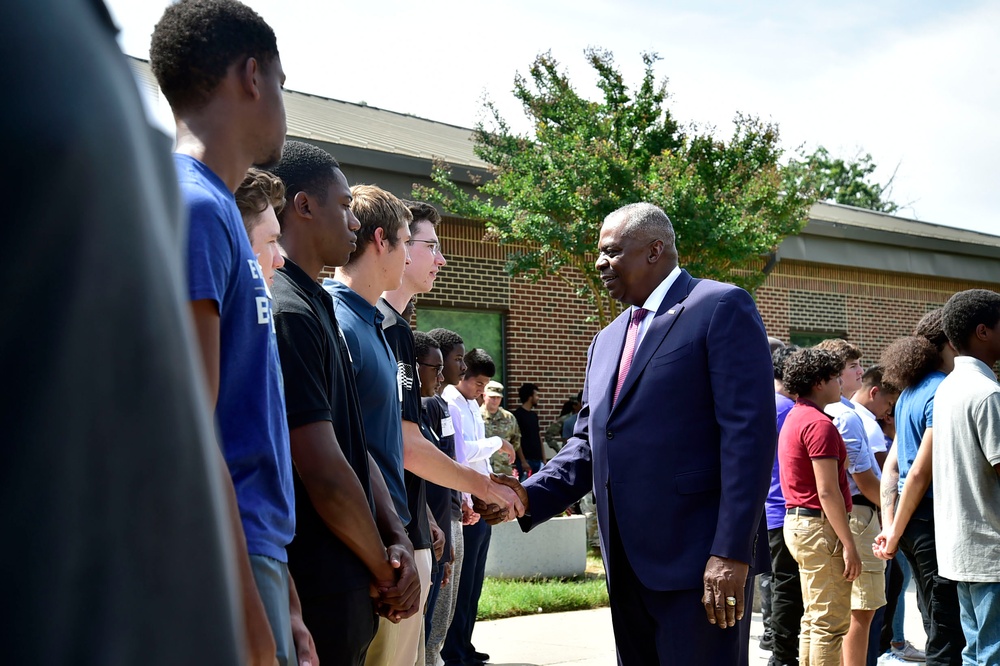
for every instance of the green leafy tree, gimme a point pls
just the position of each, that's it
(550, 190)
(844, 182)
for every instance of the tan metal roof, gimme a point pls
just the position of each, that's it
(849, 216)
(361, 126)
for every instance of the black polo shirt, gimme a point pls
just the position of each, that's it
(444, 503)
(400, 338)
(319, 386)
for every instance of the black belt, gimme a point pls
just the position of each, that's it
(803, 511)
(861, 500)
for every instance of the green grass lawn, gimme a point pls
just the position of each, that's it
(509, 598)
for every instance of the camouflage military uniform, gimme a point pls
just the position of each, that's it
(502, 424)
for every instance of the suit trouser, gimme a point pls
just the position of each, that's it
(786, 599)
(458, 648)
(938, 597)
(654, 627)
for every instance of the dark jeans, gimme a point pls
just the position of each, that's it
(765, 601)
(432, 595)
(938, 597)
(786, 600)
(458, 648)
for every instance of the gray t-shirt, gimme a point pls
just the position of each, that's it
(966, 485)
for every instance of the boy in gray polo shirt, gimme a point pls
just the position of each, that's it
(966, 468)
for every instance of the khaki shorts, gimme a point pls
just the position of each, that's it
(868, 590)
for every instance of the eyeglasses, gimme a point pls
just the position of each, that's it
(438, 369)
(433, 246)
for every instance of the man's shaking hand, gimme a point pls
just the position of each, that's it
(511, 500)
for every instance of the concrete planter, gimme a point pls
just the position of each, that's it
(554, 549)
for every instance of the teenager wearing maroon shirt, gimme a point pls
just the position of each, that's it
(812, 459)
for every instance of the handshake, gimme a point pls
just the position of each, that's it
(506, 500)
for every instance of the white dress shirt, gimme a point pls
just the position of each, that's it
(472, 447)
(654, 301)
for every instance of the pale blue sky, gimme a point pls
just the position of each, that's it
(914, 83)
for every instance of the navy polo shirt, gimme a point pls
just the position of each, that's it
(375, 372)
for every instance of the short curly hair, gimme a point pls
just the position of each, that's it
(447, 340)
(423, 343)
(965, 311)
(807, 367)
(258, 190)
(931, 327)
(778, 359)
(197, 41)
(905, 361)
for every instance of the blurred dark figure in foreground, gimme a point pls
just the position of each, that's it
(112, 517)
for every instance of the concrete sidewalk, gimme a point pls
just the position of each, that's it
(585, 638)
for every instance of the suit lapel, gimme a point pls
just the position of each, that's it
(664, 319)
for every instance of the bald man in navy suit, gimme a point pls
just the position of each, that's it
(676, 437)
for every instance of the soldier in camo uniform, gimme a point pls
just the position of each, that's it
(501, 423)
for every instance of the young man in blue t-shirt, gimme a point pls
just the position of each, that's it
(217, 64)
(917, 365)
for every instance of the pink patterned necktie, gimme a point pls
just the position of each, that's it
(633, 333)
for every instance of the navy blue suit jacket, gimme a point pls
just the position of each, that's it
(687, 450)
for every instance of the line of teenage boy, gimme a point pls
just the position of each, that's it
(217, 64)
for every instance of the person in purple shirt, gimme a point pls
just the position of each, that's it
(786, 592)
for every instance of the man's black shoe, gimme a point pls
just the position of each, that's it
(480, 656)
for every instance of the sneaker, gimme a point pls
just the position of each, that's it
(907, 652)
(767, 641)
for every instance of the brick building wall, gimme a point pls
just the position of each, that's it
(871, 308)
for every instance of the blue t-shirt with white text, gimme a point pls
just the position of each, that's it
(250, 412)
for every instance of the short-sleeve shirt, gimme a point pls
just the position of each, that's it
(531, 435)
(250, 408)
(320, 387)
(439, 498)
(774, 506)
(851, 427)
(966, 448)
(400, 338)
(808, 433)
(914, 415)
(876, 438)
(375, 372)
